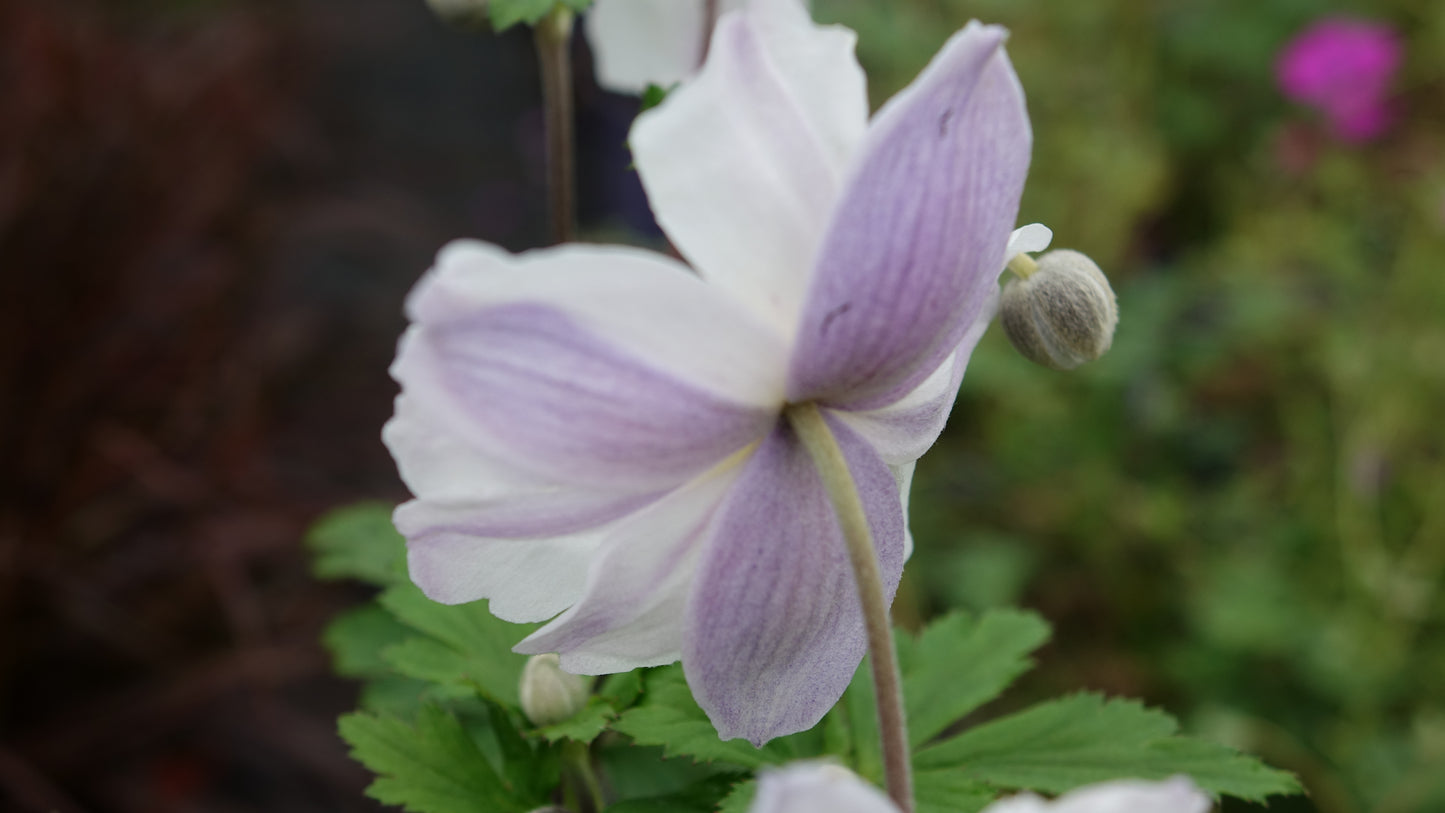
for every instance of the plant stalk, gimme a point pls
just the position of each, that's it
(818, 439)
(554, 52)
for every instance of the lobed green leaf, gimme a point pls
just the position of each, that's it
(358, 542)
(1078, 740)
(434, 767)
(463, 644)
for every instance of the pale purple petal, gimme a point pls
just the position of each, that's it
(611, 369)
(1175, 795)
(634, 605)
(743, 163)
(912, 253)
(774, 630)
(902, 431)
(817, 787)
(525, 579)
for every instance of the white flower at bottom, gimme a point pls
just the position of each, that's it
(820, 787)
(1177, 794)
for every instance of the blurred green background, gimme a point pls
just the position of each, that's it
(211, 209)
(1239, 512)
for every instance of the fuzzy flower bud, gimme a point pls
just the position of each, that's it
(1060, 312)
(550, 695)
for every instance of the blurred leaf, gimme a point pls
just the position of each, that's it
(949, 791)
(464, 644)
(358, 542)
(585, 725)
(701, 797)
(1078, 740)
(434, 767)
(357, 637)
(668, 716)
(740, 798)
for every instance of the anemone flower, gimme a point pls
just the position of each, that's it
(600, 432)
(817, 787)
(1343, 67)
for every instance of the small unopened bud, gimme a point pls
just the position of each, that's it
(1060, 312)
(550, 695)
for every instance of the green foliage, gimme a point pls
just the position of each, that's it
(959, 664)
(444, 734)
(358, 542)
(457, 645)
(506, 13)
(669, 717)
(1083, 739)
(432, 767)
(652, 96)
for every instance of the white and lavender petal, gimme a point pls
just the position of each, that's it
(526, 579)
(912, 252)
(902, 431)
(632, 611)
(743, 163)
(604, 368)
(774, 627)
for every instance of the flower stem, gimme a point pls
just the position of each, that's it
(554, 51)
(1022, 265)
(578, 757)
(818, 439)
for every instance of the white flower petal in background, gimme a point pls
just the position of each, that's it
(742, 164)
(636, 43)
(817, 787)
(1174, 795)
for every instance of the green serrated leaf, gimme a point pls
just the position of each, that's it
(668, 716)
(358, 542)
(740, 798)
(949, 791)
(585, 725)
(464, 644)
(401, 696)
(622, 689)
(507, 13)
(857, 713)
(434, 767)
(356, 638)
(700, 797)
(959, 663)
(576, 6)
(1078, 740)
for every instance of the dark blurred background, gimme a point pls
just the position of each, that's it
(210, 211)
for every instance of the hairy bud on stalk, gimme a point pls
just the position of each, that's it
(550, 695)
(1060, 312)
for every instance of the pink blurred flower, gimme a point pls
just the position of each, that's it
(1343, 67)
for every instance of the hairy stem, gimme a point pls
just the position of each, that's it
(554, 51)
(818, 439)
